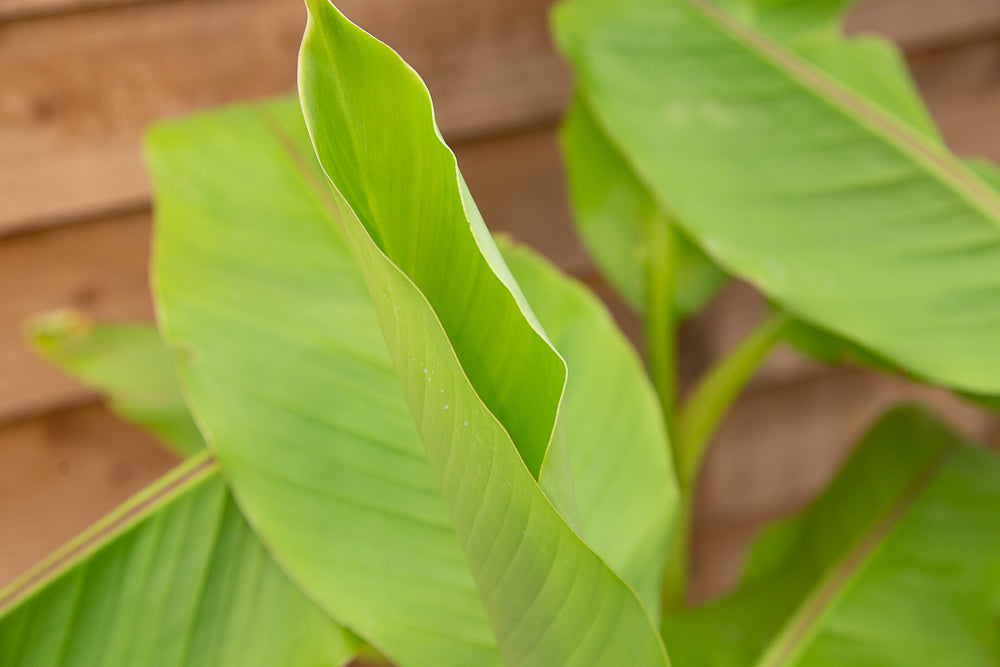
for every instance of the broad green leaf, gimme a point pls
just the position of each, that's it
(482, 382)
(129, 364)
(897, 563)
(284, 362)
(841, 210)
(173, 577)
(612, 210)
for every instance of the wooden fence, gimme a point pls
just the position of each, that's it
(81, 79)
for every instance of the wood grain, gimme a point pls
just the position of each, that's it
(962, 88)
(19, 10)
(99, 268)
(919, 25)
(80, 89)
(62, 472)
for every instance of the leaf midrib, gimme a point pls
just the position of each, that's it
(950, 170)
(825, 593)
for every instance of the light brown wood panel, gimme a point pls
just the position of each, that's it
(101, 267)
(18, 10)
(80, 89)
(717, 560)
(926, 24)
(914, 23)
(62, 472)
(962, 90)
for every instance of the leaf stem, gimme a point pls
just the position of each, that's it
(661, 330)
(716, 391)
(708, 403)
(674, 595)
(661, 356)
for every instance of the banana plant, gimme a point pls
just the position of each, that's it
(407, 440)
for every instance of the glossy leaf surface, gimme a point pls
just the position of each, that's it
(173, 577)
(817, 179)
(897, 563)
(482, 381)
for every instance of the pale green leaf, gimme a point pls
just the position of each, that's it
(282, 356)
(843, 211)
(127, 363)
(174, 577)
(897, 563)
(481, 380)
(612, 208)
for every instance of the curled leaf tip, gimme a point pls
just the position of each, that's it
(56, 325)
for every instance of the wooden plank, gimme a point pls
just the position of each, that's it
(19, 10)
(962, 90)
(60, 473)
(717, 559)
(80, 89)
(918, 25)
(101, 267)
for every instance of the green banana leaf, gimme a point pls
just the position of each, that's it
(897, 563)
(172, 577)
(804, 163)
(612, 207)
(481, 379)
(126, 362)
(283, 360)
